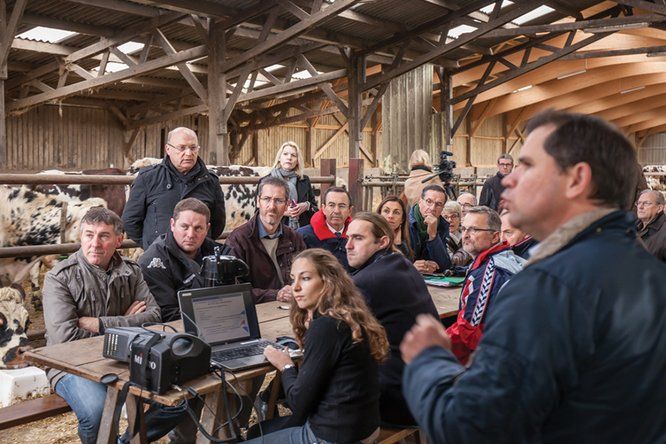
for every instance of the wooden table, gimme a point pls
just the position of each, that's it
(446, 300)
(84, 358)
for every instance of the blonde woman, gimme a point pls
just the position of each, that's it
(288, 165)
(420, 167)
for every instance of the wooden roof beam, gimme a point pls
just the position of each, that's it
(645, 125)
(586, 95)
(641, 115)
(109, 79)
(447, 47)
(557, 88)
(644, 5)
(618, 105)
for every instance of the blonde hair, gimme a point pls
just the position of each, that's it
(419, 157)
(341, 300)
(299, 166)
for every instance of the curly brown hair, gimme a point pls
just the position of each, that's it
(341, 300)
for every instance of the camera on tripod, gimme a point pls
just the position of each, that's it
(445, 167)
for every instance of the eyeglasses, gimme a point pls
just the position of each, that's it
(474, 230)
(431, 202)
(265, 200)
(505, 164)
(645, 204)
(182, 149)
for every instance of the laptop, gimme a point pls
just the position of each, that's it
(225, 317)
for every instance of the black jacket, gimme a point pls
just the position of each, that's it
(491, 191)
(335, 388)
(396, 294)
(654, 236)
(167, 270)
(155, 193)
(574, 349)
(317, 235)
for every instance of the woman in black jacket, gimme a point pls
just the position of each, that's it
(289, 166)
(394, 210)
(334, 395)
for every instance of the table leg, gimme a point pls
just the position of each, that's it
(213, 409)
(108, 430)
(135, 412)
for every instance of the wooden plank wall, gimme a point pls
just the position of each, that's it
(653, 150)
(67, 138)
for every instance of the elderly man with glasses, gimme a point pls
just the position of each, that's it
(428, 231)
(492, 187)
(651, 224)
(158, 188)
(494, 264)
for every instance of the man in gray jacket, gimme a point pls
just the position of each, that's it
(92, 290)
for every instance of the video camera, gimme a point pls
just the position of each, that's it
(219, 269)
(158, 360)
(445, 167)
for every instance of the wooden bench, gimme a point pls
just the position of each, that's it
(394, 436)
(32, 410)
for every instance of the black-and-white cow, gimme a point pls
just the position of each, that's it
(13, 326)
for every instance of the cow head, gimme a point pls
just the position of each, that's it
(13, 326)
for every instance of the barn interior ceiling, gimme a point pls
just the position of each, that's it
(253, 64)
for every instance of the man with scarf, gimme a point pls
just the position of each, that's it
(573, 347)
(328, 227)
(428, 231)
(158, 188)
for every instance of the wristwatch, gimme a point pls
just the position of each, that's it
(287, 367)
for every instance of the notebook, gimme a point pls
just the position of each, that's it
(225, 317)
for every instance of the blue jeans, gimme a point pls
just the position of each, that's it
(292, 435)
(86, 398)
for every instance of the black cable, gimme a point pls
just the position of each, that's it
(193, 416)
(162, 324)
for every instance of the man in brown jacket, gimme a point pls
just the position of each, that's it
(266, 245)
(92, 290)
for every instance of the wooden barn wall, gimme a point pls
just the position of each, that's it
(406, 116)
(653, 150)
(66, 138)
(487, 143)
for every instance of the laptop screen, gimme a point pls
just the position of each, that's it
(221, 319)
(220, 315)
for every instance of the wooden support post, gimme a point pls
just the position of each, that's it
(446, 106)
(468, 146)
(255, 147)
(355, 183)
(218, 137)
(309, 145)
(374, 122)
(326, 168)
(355, 80)
(4, 158)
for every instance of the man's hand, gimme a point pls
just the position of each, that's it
(424, 266)
(89, 324)
(284, 294)
(431, 224)
(136, 307)
(427, 332)
(279, 358)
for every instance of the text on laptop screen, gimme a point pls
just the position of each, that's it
(221, 319)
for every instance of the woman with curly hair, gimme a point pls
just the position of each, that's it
(394, 210)
(334, 394)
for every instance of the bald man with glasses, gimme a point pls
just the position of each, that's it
(158, 188)
(651, 224)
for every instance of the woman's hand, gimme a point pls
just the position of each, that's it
(279, 358)
(297, 209)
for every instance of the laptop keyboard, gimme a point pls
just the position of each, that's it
(254, 349)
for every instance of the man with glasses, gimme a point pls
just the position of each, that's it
(158, 188)
(494, 264)
(466, 201)
(493, 188)
(266, 245)
(651, 224)
(328, 226)
(428, 231)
